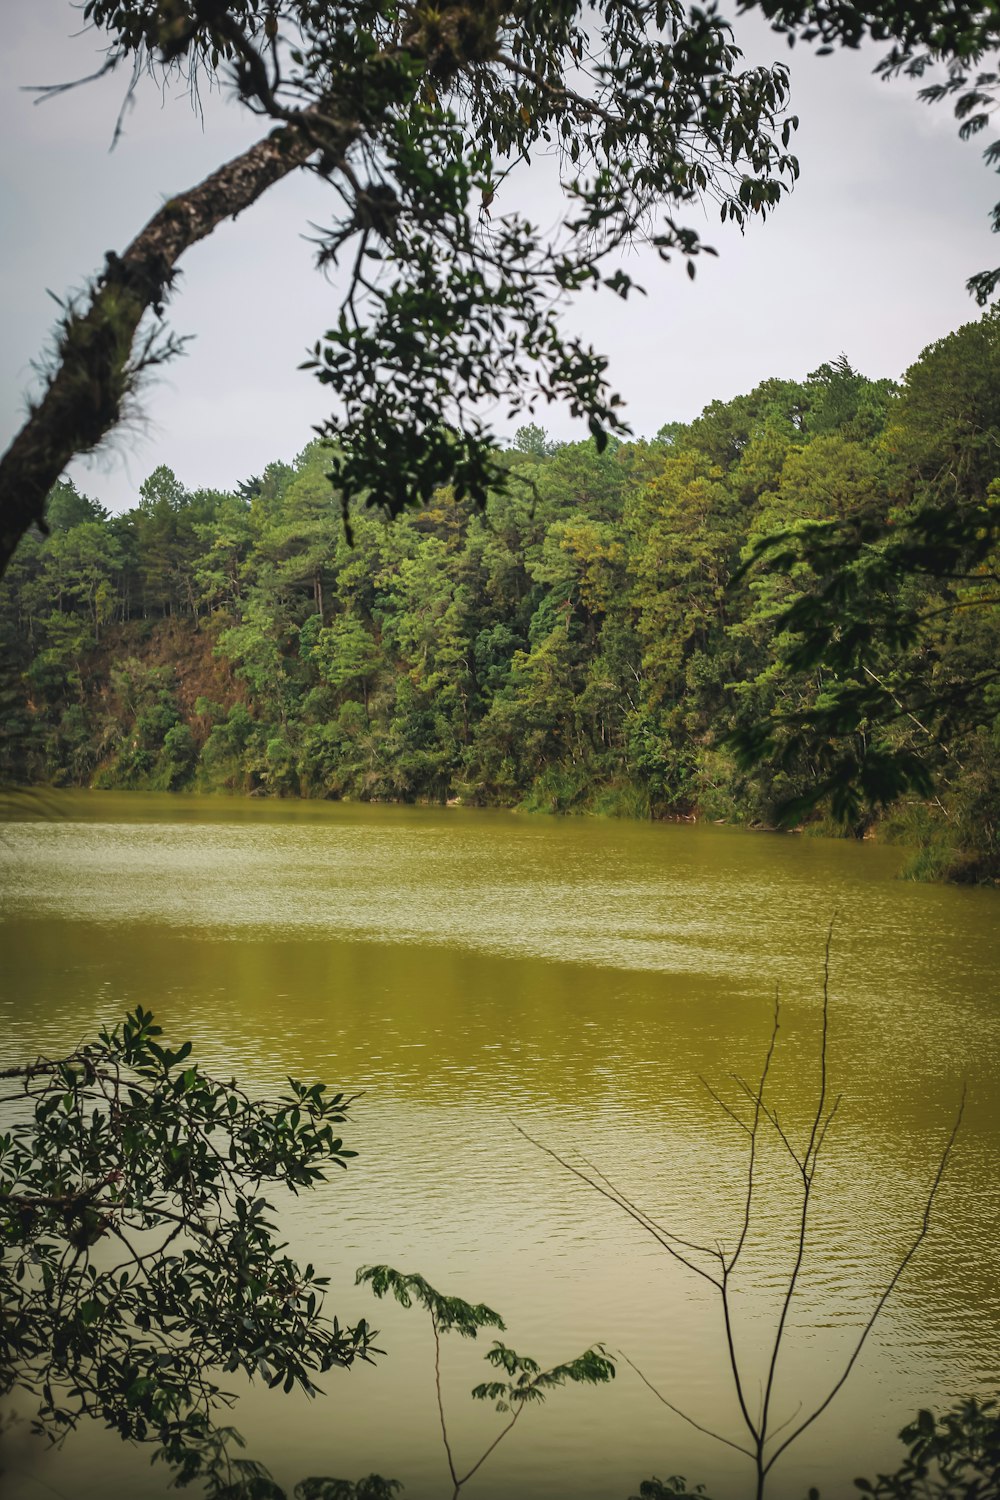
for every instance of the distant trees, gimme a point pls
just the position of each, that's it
(895, 573)
(583, 642)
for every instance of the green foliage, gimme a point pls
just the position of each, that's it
(529, 1382)
(952, 1457)
(372, 1487)
(140, 1264)
(526, 1383)
(880, 598)
(450, 1314)
(447, 311)
(67, 508)
(674, 1488)
(440, 319)
(178, 756)
(784, 608)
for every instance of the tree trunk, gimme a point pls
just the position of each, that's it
(94, 364)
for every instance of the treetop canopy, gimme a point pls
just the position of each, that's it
(452, 301)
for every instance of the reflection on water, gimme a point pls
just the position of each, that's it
(467, 968)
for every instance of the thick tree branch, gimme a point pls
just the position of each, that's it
(95, 365)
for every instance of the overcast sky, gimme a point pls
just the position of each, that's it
(868, 257)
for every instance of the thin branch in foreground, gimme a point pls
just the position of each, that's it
(726, 1108)
(752, 1160)
(628, 1202)
(883, 1299)
(771, 1116)
(94, 362)
(762, 1435)
(808, 1172)
(708, 1431)
(660, 1235)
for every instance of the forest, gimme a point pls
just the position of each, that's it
(591, 640)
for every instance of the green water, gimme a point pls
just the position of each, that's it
(468, 969)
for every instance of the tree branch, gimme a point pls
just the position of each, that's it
(95, 367)
(708, 1431)
(662, 1236)
(914, 1246)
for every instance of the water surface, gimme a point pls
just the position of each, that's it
(468, 969)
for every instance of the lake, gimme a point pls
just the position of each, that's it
(469, 971)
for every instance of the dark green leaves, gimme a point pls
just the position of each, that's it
(529, 1382)
(454, 305)
(450, 1314)
(526, 1381)
(870, 600)
(952, 1457)
(674, 1488)
(129, 1146)
(372, 1487)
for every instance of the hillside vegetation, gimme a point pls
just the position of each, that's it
(579, 645)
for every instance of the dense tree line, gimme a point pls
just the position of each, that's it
(579, 643)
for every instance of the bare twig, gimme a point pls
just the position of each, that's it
(808, 1169)
(440, 1403)
(761, 1432)
(708, 1431)
(627, 1202)
(771, 1115)
(726, 1108)
(485, 1455)
(890, 1286)
(758, 1107)
(661, 1235)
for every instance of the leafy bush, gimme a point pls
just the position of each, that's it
(952, 1457)
(139, 1260)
